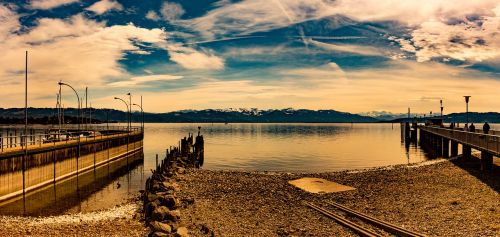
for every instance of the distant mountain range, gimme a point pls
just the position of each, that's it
(239, 115)
(208, 116)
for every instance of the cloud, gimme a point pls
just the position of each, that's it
(49, 4)
(171, 11)
(455, 29)
(144, 79)
(76, 50)
(190, 58)
(349, 48)
(152, 15)
(394, 87)
(103, 6)
(10, 21)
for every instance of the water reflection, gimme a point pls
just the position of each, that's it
(71, 194)
(289, 147)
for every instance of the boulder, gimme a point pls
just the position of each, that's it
(161, 227)
(170, 201)
(159, 213)
(163, 213)
(182, 232)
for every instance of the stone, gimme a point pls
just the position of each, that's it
(150, 207)
(159, 234)
(173, 215)
(163, 213)
(152, 197)
(182, 232)
(161, 227)
(204, 229)
(181, 170)
(159, 213)
(170, 201)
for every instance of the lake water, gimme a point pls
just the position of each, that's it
(288, 147)
(250, 147)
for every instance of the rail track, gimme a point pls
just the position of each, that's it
(359, 229)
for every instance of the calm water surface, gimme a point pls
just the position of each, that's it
(251, 147)
(288, 147)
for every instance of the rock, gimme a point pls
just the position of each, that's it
(170, 201)
(161, 227)
(159, 213)
(150, 207)
(163, 213)
(152, 197)
(182, 232)
(181, 170)
(204, 229)
(173, 215)
(188, 201)
(159, 234)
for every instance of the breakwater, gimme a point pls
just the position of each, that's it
(161, 205)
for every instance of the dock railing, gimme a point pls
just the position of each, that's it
(477, 140)
(38, 138)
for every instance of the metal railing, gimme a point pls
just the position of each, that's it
(42, 137)
(480, 141)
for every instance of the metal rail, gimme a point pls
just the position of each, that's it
(20, 140)
(377, 222)
(362, 231)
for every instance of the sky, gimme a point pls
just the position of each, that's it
(348, 55)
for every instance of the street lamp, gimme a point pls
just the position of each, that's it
(130, 110)
(78, 97)
(467, 97)
(142, 114)
(441, 102)
(128, 125)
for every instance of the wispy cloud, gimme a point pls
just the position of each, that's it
(49, 4)
(190, 58)
(141, 80)
(104, 6)
(349, 48)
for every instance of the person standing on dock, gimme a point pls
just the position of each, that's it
(472, 128)
(486, 128)
(466, 128)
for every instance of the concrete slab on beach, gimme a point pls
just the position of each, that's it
(317, 185)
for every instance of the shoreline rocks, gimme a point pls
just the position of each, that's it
(161, 205)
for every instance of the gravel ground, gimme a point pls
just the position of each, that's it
(449, 198)
(117, 221)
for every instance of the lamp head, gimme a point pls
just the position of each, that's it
(60, 83)
(128, 93)
(116, 98)
(467, 98)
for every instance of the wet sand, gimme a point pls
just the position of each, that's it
(449, 198)
(119, 221)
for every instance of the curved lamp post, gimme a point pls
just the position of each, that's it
(78, 97)
(142, 114)
(126, 104)
(467, 97)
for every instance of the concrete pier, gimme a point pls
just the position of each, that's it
(47, 163)
(442, 139)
